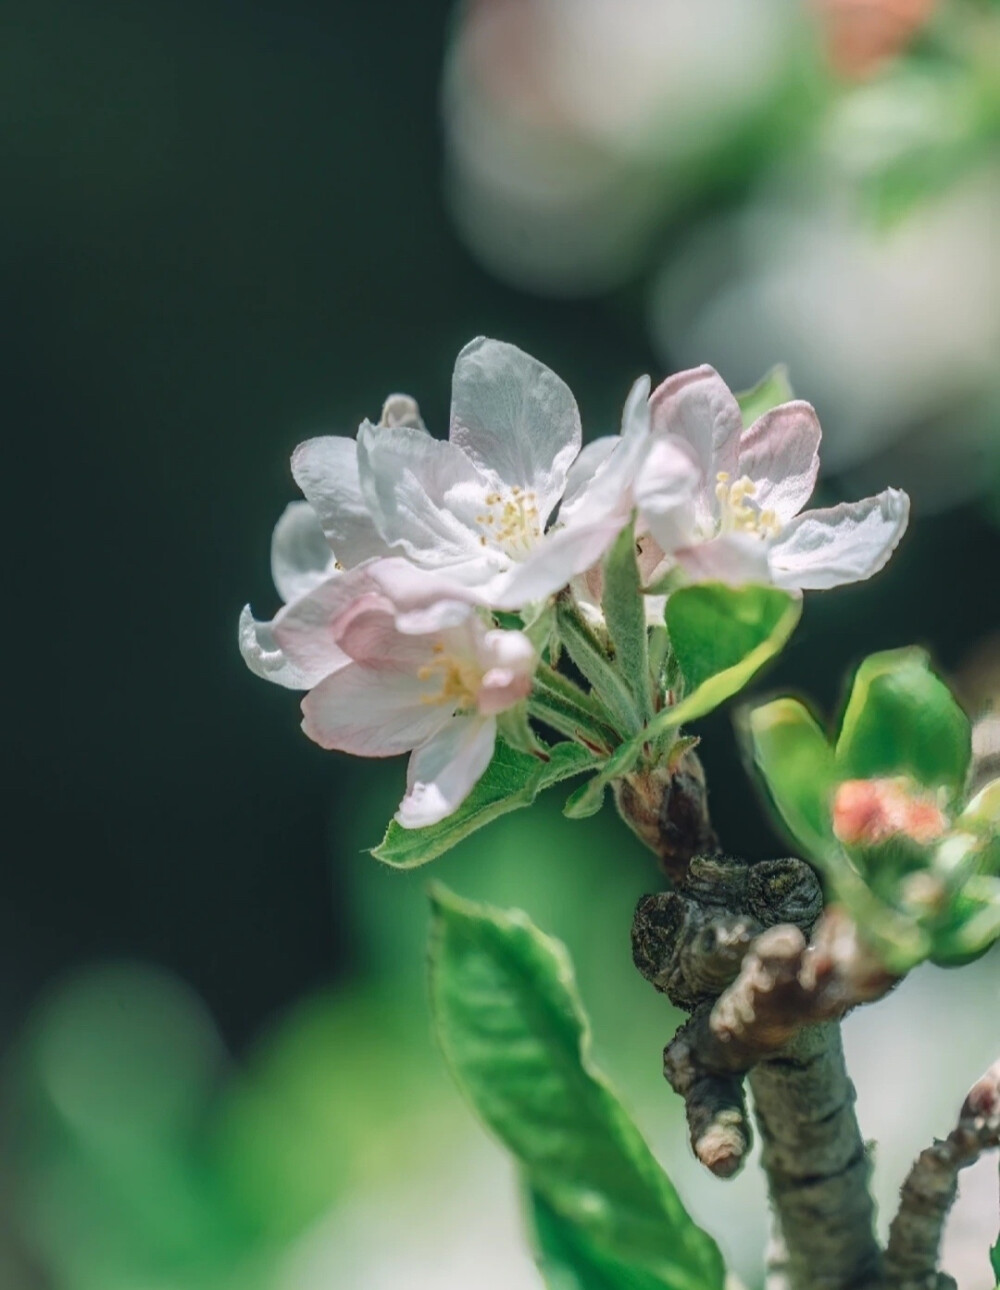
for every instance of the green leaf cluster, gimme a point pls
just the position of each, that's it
(900, 722)
(513, 1031)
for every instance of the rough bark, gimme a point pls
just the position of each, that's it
(932, 1185)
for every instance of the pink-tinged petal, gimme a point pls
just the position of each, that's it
(846, 543)
(515, 419)
(557, 558)
(425, 600)
(306, 631)
(735, 558)
(424, 494)
(780, 453)
(609, 492)
(265, 657)
(301, 557)
(667, 491)
(444, 770)
(326, 469)
(371, 713)
(367, 632)
(510, 661)
(698, 406)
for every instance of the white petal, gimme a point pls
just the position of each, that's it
(736, 558)
(559, 556)
(666, 492)
(425, 599)
(698, 406)
(370, 713)
(443, 771)
(780, 453)
(581, 474)
(610, 489)
(300, 554)
(265, 658)
(515, 419)
(326, 469)
(847, 543)
(424, 494)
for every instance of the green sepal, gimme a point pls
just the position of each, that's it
(513, 779)
(625, 614)
(512, 1029)
(720, 637)
(901, 719)
(770, 392)
(515, 729)
(589, 655)
(589, 798)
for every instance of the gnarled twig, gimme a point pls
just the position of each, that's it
(931, 1186)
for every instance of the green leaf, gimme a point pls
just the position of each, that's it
(796, 763)
(902, 719)
(587, 653)
(513, 1031)
(995, 1260)
(568, 1262)
(513, 779)
(769, 392)
(589, 798)
(625, 614)
(720, 637)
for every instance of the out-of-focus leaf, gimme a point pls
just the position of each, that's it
(995, 1259)
(902, 719)
(796, 763)
(720, 637)
(770, 392)
(513, 779)
(513, 1031)
(625, 615)
(567, 1262)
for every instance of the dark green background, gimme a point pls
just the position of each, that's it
(222, 231)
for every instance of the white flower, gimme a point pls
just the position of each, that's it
(478, 505)
(398, 660)
(724, 503)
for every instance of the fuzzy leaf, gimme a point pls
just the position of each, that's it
(609, 685)
(625, 614)
(721, 636)
(770, 392)
(513, 1031)
(902, 719)
(513, 779)
(589, 798)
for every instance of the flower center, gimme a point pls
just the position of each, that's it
(459, 679)
(740, 515)
(510, 521)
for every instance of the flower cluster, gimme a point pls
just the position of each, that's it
(407, 548)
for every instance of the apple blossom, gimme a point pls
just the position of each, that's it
(396, 659)
(724, 503)
(478, 505)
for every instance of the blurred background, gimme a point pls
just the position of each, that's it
(230, 225)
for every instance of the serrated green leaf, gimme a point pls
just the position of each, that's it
(513, 1031)
(567, 1262)
(770, 392)
(720, 637)
(901, 719)
(588, 799)
(625, 614)
(513, 779)
(795, 761)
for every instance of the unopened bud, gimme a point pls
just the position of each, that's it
(869, 811)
